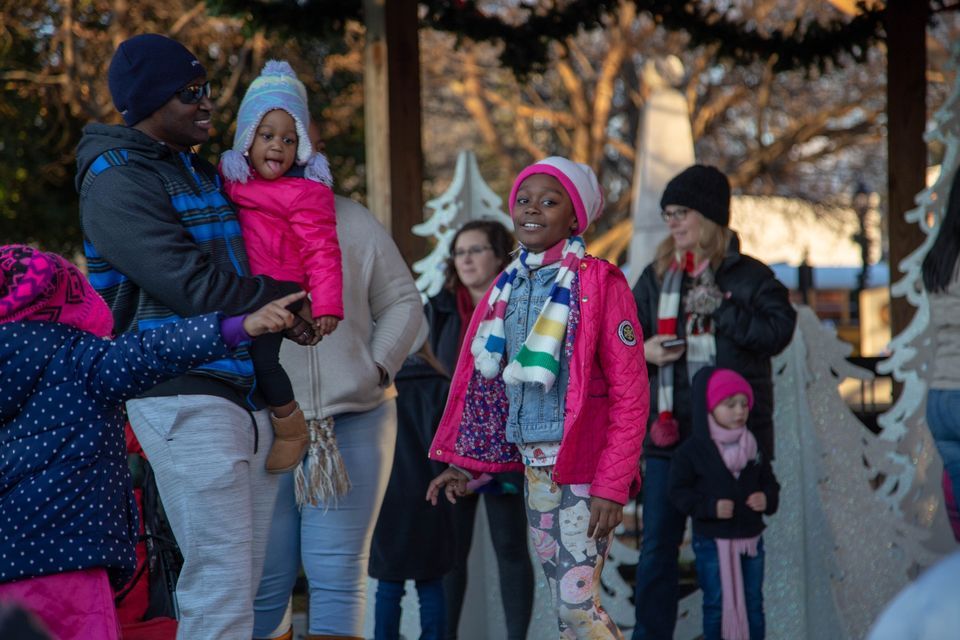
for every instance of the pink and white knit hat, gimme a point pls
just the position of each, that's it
(36, 285)
(579, 181)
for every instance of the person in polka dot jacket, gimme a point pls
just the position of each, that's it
(68, 522)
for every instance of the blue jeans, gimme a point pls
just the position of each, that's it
(943, 419)
(658, 573)
(387, 611)
(331, 540)
(708, 575)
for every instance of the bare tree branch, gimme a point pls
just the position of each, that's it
(35, 78)
(527, 111)
(580, 151)
(183, 20)
(604, 88)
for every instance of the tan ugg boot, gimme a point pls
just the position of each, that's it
(290, 441)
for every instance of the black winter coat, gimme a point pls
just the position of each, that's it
(444, 321)
(699, 478)
(414, 540)
(754, 324)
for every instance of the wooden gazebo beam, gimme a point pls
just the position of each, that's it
(392, 120)
(906, 27)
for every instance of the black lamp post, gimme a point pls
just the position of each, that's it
(861, 201)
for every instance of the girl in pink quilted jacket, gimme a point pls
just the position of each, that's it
(551, 381)
(285, 206)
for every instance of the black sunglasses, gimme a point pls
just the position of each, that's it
(194, 93)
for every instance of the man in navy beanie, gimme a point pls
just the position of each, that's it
(162, 243)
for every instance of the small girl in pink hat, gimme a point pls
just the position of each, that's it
(551, 381)
(720, 479)
(67, 514)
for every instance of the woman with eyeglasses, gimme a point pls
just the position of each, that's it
(701, 303)
(479, 251)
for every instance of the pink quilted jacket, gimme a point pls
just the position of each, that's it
(290, 230)
(607, 399)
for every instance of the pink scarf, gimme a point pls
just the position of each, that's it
(737, 448)
(36, 285)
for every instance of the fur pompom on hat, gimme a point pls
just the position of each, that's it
(36, 285)
(703, 188)
(725, 383)
(277, 87)
(578, 180)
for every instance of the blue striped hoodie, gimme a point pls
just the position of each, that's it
(163, 243)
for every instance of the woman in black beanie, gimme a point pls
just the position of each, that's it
(701, 303)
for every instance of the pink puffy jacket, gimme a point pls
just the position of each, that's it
(607, 399)
(290, 230)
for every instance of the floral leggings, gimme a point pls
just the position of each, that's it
(559, 516)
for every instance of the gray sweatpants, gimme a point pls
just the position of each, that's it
(218, 499)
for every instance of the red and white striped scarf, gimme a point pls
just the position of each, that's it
(701, 347)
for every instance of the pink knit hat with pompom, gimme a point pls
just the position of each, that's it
(36, 285)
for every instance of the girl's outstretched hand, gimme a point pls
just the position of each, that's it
(272, 317)
(451, 481)
(605, 515)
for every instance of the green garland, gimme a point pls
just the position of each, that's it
(526, 45)
(809, 44)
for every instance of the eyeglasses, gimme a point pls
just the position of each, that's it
(473, 251)
(194, 93)
(678, 214)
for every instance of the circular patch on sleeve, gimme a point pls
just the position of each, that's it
(627, 334)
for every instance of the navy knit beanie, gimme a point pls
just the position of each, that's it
(146, 71)
(703, 188)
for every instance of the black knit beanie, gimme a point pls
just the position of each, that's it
(146, 71)
(703, 188)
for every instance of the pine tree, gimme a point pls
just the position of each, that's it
(468, 198)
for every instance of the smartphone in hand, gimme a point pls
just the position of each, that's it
(673, 343)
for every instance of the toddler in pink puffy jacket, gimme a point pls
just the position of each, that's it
(286, 210)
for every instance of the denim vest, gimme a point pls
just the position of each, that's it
(534, 416)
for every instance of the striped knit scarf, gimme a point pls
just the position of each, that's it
(701, 347)
(539, 358)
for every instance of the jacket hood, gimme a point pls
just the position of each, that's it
(700, 428)
(100, 138)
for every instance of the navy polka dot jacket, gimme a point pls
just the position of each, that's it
(65, 493)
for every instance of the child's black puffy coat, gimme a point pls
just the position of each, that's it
(699, 478)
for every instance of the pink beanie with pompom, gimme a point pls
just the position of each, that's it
(36, 285)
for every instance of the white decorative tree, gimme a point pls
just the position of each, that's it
(917, 494)
(468, 198)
